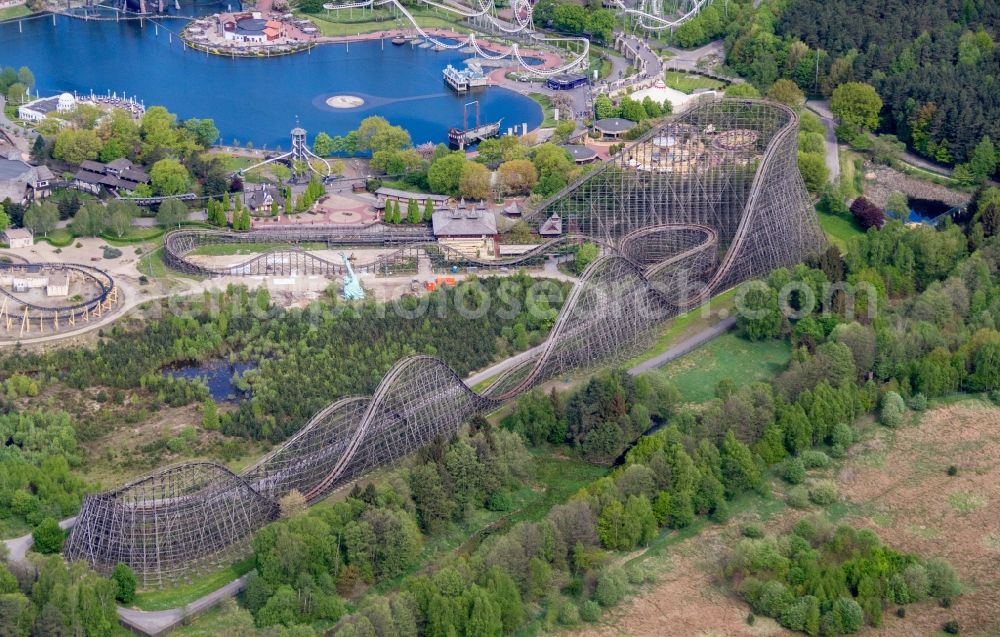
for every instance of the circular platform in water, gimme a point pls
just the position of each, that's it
(345, 101)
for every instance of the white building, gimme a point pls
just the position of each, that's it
(18, 238)
(37, 110)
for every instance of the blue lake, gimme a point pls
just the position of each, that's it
(254, 99)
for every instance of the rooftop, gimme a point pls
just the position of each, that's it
(13, 169)
(552, 227)
(404, 194)
(250, 26)
(18, 233)
(120, 164)
(614, 125)
(581, 153)
(44, 106)
(463, 223)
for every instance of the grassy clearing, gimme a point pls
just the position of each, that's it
(403, 185)
(59, 238)
(136, 234)
(548, 113)
(214, 622)
(851, 174)
(12, 527)
(839, 231)
(687, 324)
(744, 362)
(689, 83)
(151, 264)
(965, 503)
(184, 595)
(763, 508)
(603, 66)
(14, 12)
(222, 249)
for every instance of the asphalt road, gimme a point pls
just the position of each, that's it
(832, 149)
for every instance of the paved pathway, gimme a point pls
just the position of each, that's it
(688, 58)
(832, 149)
(685, 346)
(156, 623)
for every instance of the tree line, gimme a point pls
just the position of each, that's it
(931, 64)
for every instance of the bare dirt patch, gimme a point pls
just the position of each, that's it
(921, 509)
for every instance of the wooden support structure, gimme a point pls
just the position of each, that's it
(660, 216)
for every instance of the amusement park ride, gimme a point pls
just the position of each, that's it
(300, 157)
(648, 17)
(352, 284)
(709, 199)
(23, 316)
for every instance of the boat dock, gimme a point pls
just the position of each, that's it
(464, 80)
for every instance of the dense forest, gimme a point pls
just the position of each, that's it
(933, 63)
(305, 358)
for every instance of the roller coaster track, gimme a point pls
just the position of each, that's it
(17, 312)
(523, 24)
(197, 517)
(286, 261)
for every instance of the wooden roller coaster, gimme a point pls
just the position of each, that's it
(672, 239)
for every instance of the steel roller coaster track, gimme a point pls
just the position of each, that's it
(705, 201)
(523, 25)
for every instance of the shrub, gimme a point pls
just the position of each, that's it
(794, 471)
(611, 586)
(753, 531)
(867, 214)
(901, 612)
(823, 492)
(125, 583)
(952, 470)
(941, 579)
(847, 616)
(813, 459)
(111, 253)
(917, 582)
(635, 575)
(841, 438)
(48, 536)
(951, 627)
(569, 614)
(590, 611)
(893, 409)
(798, 497)
(918, 402)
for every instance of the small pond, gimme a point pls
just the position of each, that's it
(926, 210)
(217, 374)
